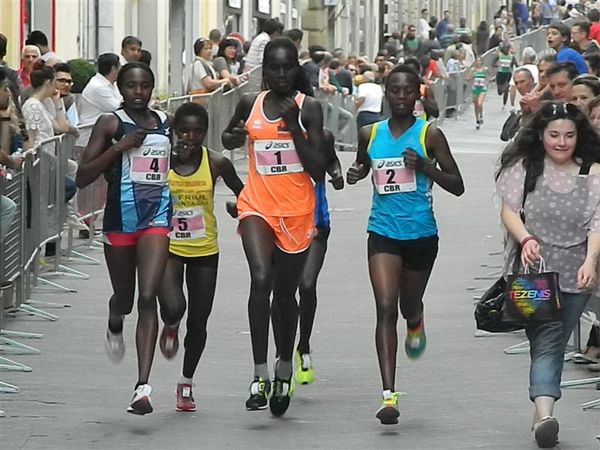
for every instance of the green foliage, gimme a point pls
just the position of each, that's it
(81, 71)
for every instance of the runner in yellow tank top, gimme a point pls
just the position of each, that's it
(267, 228)
(193, 248)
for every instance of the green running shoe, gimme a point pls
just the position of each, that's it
(416, 341)
(282, 393)
(305, 373)
(388, 413)
(259, 394)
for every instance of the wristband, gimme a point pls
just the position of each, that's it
(4, 119)
(527, 239)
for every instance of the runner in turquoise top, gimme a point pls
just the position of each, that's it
(479, 76)
(407, 155)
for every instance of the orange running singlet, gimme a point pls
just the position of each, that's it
(277, 184)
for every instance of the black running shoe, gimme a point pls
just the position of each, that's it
(282, 393)
(259, 394)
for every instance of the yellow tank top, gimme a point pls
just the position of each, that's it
(194, 223)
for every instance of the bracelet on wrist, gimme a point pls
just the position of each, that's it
(526, 239)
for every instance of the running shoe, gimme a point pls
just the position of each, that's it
(388, 413)
(114, 345)
(305, 373)
(546, 432)
(415, 342)
(477, 126)
(185, 398)
(282, 393)
(140, 403)
(259, 394)
(169, 341)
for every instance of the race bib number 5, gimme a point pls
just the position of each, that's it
(188, 223)
(149, 165)
(391, 176)
(277, 157)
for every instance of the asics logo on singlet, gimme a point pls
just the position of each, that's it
(184, 213)
(381, 164)
(277, 145)
(154, 152)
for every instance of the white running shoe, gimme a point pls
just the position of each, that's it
(140, 402)
(114, 346)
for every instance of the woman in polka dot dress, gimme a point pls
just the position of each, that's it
(556, 160)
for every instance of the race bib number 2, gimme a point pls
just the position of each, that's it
(188, 223)
(277, 157)
(149, 165)
(391, 176)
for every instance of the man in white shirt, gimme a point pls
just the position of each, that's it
(528, 61)
(424, 25)
(272, 29)
(131, 50)
(369, 97)
(100, 94)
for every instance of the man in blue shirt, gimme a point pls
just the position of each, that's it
(559, 37)
(442, 25)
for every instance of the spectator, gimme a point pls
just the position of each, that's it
(547, 12)
(12, 76)
(558, 37)
(524, 85)
(411, 43)
(344, 77)
(436, 55)
(214, 36)
(430, 44)
(424, 27)
(145, 57)
(368, 101)
(497, 38)
(482, 37)
(528, 61)
(580, 34)
(556, 154)
(335, 66)
(311, 68)
(225, 64)
(594, 18)
(324, 84)
(520, 16)
(64, 83)
(463, 29)
(453, 65)
(296, 35)
(131, 50)
(448, 37)
(585, 88)
(272, 29)
(100, 95)
(29, 55)
(390, 45)
(532, 102)
(469, 59)
(425, 107)
(203, 77)
(39, 39)
(442, 26)
(560, 80)
(593, 63)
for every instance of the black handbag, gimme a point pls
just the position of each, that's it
(490, 308)
(511, 126)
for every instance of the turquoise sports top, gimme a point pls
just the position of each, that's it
(402, 206)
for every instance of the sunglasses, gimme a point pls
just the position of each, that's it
(563, 109)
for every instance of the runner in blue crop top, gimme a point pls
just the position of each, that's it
(132, 148)
(404, 153)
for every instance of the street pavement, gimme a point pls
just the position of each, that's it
(464, 393)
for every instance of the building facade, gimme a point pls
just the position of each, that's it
(168, 28)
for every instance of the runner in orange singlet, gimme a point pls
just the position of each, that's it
(276, 208)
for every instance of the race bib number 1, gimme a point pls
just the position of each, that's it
(188, 223)
(391, 176)
(277, 157)
(149, 165)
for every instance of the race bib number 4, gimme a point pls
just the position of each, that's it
(277, 157)
(149, 165)
(188, 223)
(391, 176)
